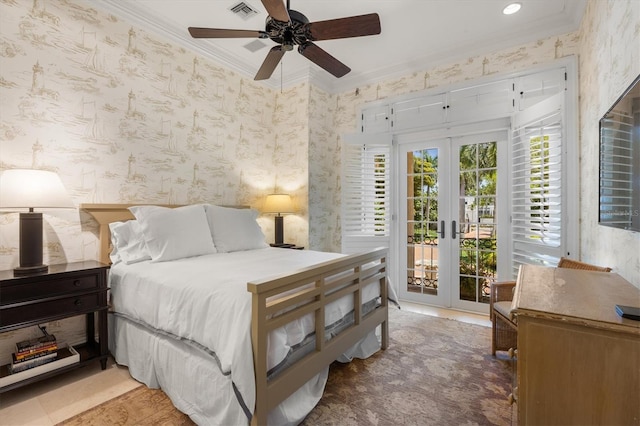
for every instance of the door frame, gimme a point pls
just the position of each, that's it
(502, 137)
(407, 141)
(443, 295)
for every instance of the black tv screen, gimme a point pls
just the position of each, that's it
(620, 162)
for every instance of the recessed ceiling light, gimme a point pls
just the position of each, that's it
(511, 8)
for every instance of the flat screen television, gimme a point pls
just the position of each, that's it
(620, 162)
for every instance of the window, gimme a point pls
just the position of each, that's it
(537, 198)
(542, 186)
(366, 194)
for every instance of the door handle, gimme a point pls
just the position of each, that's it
(453, 229)
(442, 229)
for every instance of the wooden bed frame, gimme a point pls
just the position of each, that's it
(279, 300)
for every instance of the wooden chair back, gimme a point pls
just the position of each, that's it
(575, 264)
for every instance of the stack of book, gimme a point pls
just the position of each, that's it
(66, 355)
(34, 352)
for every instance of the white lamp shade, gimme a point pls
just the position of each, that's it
(278, 203)
(25, 188)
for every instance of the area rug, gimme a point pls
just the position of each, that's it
(138, 407)
(435, 372)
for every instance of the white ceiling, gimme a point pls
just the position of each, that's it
(416, 34)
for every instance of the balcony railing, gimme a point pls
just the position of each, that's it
(477, 264)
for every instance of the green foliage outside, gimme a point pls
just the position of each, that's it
(478, 180)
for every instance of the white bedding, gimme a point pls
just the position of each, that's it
(205, 300)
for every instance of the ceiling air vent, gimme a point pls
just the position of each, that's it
(255, 45)
(244, 10)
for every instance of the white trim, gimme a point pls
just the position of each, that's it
(568, 62)
(572, 156)
(442, 144)
(127, 9)
(446, 140)
(570, 182)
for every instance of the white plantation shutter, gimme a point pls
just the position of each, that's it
(538, 206)
(366, 192)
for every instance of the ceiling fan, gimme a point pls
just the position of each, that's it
(288, 27)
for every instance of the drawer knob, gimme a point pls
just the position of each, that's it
(76, 283)
(78, 302)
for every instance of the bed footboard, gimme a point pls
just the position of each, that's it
(280, 300)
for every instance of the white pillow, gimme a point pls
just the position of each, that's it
(113, 254)
(128, 243)
(234, 229)
(174, 233)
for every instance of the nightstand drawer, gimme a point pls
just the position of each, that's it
(43, 289)
(65, 306)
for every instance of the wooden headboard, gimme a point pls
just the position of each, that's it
(105, 214)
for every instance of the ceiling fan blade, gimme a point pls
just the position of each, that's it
(221, 33)
(324, 60)
(270, 63)
(354, 26)
(277, 10)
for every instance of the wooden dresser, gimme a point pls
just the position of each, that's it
(578, 361)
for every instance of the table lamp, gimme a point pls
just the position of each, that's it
(25, 188)
(278, 204)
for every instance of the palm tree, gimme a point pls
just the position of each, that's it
(478, 179)
(425, 169)
(478, 176)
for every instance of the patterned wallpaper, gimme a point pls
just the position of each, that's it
(123, 116)
(324, 172)
(609, 61)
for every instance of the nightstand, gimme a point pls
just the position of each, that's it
(64, 291)
(289, 246)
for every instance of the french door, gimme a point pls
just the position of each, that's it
(456, 207)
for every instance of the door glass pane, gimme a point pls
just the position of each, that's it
(468, 184)
(422, 221)
(477, 220)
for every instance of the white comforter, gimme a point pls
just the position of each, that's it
(205, 300)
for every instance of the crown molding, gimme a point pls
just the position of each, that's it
(567, 23)
(128, 11)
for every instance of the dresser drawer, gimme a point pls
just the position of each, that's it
(35, 290)
(58, 307)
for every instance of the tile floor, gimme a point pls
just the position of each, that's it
(468, 317)
(54, 400)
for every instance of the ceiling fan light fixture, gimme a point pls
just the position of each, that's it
(289, 28)
(511, 8)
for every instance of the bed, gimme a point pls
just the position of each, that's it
(293, 312)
